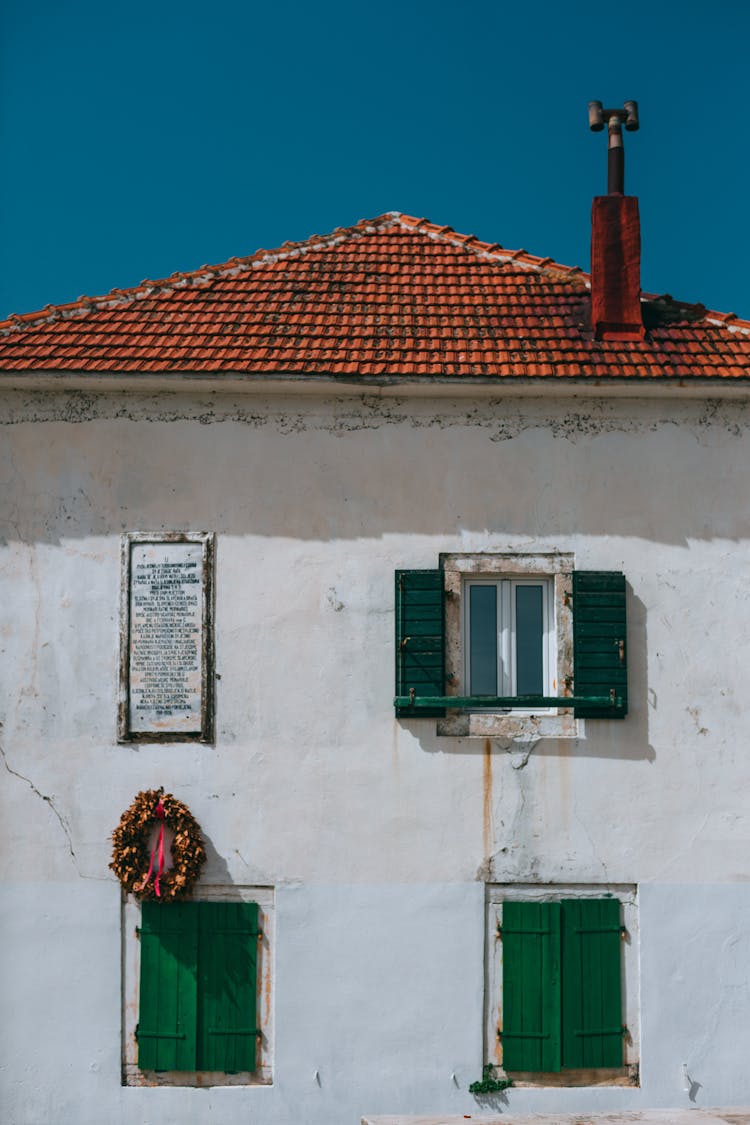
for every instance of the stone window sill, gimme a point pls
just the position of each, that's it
(508, 727)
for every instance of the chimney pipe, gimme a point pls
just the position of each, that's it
(615, 237)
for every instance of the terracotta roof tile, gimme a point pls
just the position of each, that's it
(391, 297)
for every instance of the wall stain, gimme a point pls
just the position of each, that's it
(487, 826)
(695, 715)
(504, 419)
(32, 687)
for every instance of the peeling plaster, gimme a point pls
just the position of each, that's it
(520, 751)
(503, 419)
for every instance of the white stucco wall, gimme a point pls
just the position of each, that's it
(377, 835)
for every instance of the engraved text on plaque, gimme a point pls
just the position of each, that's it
(166, 638)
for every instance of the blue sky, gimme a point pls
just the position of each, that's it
(145, 138)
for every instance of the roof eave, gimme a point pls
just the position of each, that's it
(239, 382)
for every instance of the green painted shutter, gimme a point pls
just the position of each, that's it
(599, 640)
(227, 994)
(592, 983)
(420, 638)
(168, 986)
(531, 986)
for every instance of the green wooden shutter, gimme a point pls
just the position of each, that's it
(592, 983)
(168, 986)
(531, 986)
(227, 995)
(420, 638)
(599, 640)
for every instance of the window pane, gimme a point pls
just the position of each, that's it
(482, 640)
(529, 640)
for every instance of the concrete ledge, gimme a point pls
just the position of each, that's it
(727, 1116)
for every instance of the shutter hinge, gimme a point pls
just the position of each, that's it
(621, 930)
(404, 642)
(525, 1034)
(412, 694)
(602, 1031)
(536, 933)
(567, 597)
(621, 649)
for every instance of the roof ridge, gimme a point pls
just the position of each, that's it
(497, 252)
(181, 279)
(204, 275)
(491, 250)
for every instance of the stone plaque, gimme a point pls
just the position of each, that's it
(167, 638)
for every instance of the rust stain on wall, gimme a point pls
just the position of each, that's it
(487, 832)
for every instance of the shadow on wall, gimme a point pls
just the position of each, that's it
(216, 872)
(625, 739)
(79, 464)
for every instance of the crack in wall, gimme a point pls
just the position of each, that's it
(661, 872)
(506, 863)
(51, 805)
(590, 839)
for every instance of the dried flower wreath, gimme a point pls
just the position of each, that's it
(144, 874)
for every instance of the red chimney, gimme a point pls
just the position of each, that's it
(615, 237)
(616, 268)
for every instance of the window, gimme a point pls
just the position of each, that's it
(508, 637)
(197, 1007)
(563, 984)
(488, 642)
(198, 975)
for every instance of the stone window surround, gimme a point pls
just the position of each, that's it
(132, 1075)
(627, 893)
(509, 727)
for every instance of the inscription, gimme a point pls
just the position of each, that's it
(166, 637)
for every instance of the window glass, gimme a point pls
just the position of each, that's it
(529, 640)
(483, 639)
(507, 635)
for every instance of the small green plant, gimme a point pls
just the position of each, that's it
(488, 1084)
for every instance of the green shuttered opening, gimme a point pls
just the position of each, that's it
(420, 632)
(198, 978)
(562, 990)
(599, 643)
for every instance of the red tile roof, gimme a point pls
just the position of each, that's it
(390, 297)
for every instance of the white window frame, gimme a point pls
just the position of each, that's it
(132, 1075)
(506, 632)
(627, 893)
(515, 726)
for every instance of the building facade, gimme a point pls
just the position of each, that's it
(409, 468)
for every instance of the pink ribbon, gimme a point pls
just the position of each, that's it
(158, 846)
